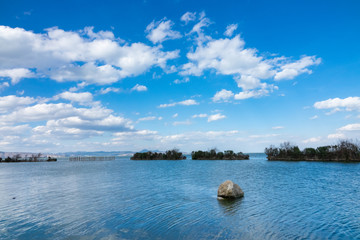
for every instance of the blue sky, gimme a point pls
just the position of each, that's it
(121, 75)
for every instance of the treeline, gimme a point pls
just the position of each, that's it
(344, 151)
(33, 158)
(168, 155)
(213, 155)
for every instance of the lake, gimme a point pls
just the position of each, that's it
(124, 199)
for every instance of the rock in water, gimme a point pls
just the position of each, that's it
(228, 189)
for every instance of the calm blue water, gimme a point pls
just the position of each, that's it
(126, 199)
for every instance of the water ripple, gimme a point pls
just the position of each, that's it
(125, 199)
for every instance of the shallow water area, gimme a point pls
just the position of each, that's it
(124, 199)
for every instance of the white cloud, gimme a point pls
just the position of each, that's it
(161, 31)
(291, 70)
(338, 104)
(230, 30)
(314, 117)
(312, 140)
(4, 85)
(109, 89)
(188, 17)
(16, 74)
(264, 136)
(198, 28)
(72, 56)
(139, 88)
(50, 111)
(247, 82)
(149, 118)
(350, 127)
(83, 98)
(109, 123)
(201, 115)
(229, 56)
(223, 96)
(185, 80)
(89, 31)
(175, 115)
(11, 130)
(255, 93)
(140, 134)
(187, 122)
(277, 127)
(188, 102)
(197, 137)
(215, 117)
(12, 102)
(336, 136)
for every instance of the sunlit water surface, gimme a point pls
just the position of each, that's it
(126, 199)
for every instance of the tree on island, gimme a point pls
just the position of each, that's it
(214, 155)
(168, 155)
(345, 150)
(32, 158)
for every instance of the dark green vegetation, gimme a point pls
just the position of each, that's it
(344, 151)
(32, 158)
(213, 155)
(168, 155)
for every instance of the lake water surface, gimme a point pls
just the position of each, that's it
(126, 199)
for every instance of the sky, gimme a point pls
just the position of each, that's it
(193, 75)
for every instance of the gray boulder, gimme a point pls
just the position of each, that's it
(228, 189)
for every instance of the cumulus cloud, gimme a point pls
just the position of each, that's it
(17, 130)
(109, 123)
(139, 88)
(338, 104)
(109, 89)
(312, 140)
(161, 31)
(264, 91)
(12, 102)
(314, 117)
(230, 30)
(48, 111)
(223, 96)
(250, 70)
(139, 134)
(16, 74)
(350, 127)
(83, 98)
(187, 102)
(75, 56)
(291, 70)
(215, 117)
(277, 127)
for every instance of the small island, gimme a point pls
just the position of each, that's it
(168, 155)
(33, 158)
(344, 151)
(214, 155)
